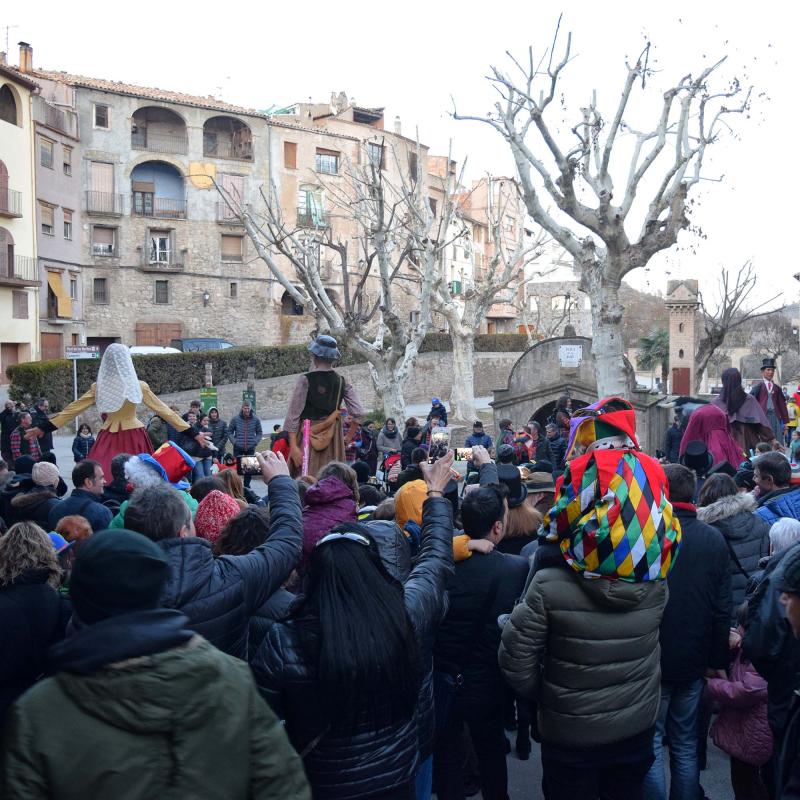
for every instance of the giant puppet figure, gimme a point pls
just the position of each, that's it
(748, 422)
(770, 398)
(116, 394)
(316, 401)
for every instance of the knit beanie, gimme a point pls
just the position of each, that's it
(44, 474)
(213, 513)
(408, 502)
(116, 572)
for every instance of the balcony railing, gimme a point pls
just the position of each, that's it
(241, 151)
(159, 207)
(162, 260)
(312, 219)
(105, 203)
(10, 203)
(103, 250)
(17, 270)
(225, 215)
(159, 142)
(59, 119)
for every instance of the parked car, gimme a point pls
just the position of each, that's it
(187, 345)
(151, 350)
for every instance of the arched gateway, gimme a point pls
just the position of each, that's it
(564, 365)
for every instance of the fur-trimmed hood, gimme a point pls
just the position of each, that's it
(26, 501)
(727, 507)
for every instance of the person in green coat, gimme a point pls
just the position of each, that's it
(140, 706)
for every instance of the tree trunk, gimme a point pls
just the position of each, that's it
(462, 396)
(614, 378)
(390, 390)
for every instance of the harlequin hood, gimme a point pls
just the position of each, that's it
(611, 416)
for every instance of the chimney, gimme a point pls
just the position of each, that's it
(25, 57)
(398, 128)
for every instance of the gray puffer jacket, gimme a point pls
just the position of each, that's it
(588, 651)
(745, 533)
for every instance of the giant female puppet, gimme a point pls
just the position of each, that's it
(116, 394)
(748, 422)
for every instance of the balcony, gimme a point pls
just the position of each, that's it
(227, 137)
(163, 261)
(226, 216)
(10, 203)
(58, 119)
(107, 204)
(157, 142)
(148, 205)
(239, 151)
(18, 270)
(312, 219)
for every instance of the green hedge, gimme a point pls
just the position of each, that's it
(177, 372)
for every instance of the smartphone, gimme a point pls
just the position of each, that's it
(247, 465)
(463, 454)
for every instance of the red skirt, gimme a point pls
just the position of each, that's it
(107, 445)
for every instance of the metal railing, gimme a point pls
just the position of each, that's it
(59, 119)
(312, 219)
(159, 142)
(241, 151)
(161, 260)
(103, 250)
(108, 203)
(10, 203)
(17, 268)
(226, 215)
(159, 207)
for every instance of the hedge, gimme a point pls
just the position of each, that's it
(176, 372)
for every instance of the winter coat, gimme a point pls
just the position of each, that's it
(33, 616)
(276, 608)
(116, 491)
(84, 503)
(40, 419)
(587, 650)
(35, 505)
(478, 440)
(150, 711)
(787, 757)
(245, 434)
(783, 502)
(441, 411)
(558, 449)
(119, 517)
(8, 421)
(469, 635)
(387, 444)
(672, 443)
(377, 757)
(741, 729)
(408, 447)
(219, 595)
(696, 622)
(219, 432)
(81, 445)
(412, 472)
(746, 534)
(327, 503)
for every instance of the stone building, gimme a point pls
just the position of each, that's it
(683, 302)
(19, 283)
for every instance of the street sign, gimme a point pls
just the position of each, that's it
(208, 398)
(250, 396)
(570, 355)
(77, 352)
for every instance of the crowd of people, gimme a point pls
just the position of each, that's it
(376, 627)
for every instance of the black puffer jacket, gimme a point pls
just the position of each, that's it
(220, 594)
(745, 533)
(373, 760)
(34, 505)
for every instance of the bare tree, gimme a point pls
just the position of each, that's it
(727, 315)
(589, 219)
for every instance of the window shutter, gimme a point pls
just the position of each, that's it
(231, 247)
(103, 236)
(47, 215)
(290, 155)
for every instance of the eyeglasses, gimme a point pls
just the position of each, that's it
(351, 537)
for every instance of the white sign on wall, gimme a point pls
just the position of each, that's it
(570, 355)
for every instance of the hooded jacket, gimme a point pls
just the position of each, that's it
(219, 431)
(35, 505)
(587, 651)
(209, 735)
(327, 503)
(747, 537)
(376, 758)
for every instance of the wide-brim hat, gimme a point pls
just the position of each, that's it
(697, 457)
(540, 482)
(768, 363)
(510, 476)
(325, 347)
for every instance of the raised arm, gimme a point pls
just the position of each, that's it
(162, 409)
(72, 410)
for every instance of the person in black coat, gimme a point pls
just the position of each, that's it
(33, 615)
(557, 444)
(482, 588)
(360, 726)
(694, 637)
(37, 502)
(8, 421)
(40, 419)
(672, 441)
(219, 595)
(410, 443)
(413, 472)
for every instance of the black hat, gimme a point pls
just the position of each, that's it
(477, 424)
(722, 468)
(361, 469)
(697, 457)
(117, 572)
(745, 478)
(768, 363)
(789, 569)
(510, 476)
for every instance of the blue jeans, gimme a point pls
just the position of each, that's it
(202, 469)
(677, 718)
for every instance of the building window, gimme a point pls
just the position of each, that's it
(412, 165)
(327, 161)
(375, 154)
(680, 353)
(73, 288)
(67, 224)
(19, 305)
(8, 105)
(234, 288)
(413, 317)
(162, 292)
(232, 247)
(290, 308)
(46, 152)
(432, 204)
(67, 159)
(102, 116)
(47, 219)
(680, 327)
(160, 249)
(103, 241)
(290, 155)
(309, 207)
(100, 291)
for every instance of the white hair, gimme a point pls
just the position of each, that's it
(140, 474)
(783, 534)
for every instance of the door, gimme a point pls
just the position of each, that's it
(681, 383)
(9, 354)
(157, 333)
(52, 346)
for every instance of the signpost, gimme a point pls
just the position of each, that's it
(208, 398)
(77, 353)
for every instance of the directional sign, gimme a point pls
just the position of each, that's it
(74, 351)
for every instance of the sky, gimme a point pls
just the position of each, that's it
(417, 58)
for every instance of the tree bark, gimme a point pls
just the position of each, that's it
(614, 377)
(390, 390)
(462, 396)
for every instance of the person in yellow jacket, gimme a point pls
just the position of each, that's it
(115, 394)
